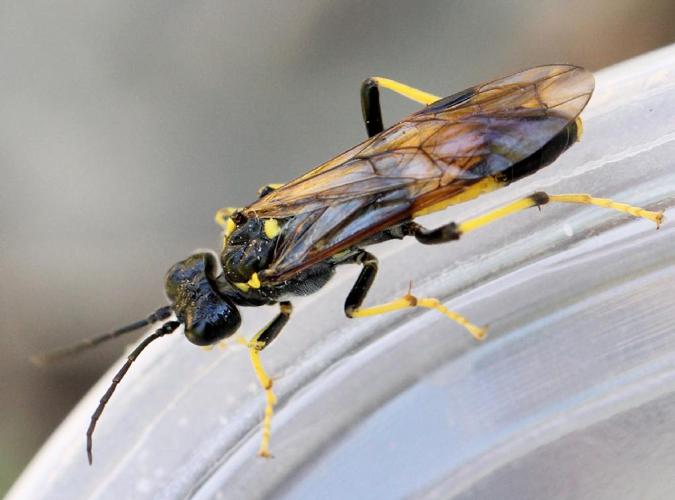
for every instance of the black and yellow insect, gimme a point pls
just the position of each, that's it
(290, 240)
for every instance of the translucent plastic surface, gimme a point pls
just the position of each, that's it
(571, 396)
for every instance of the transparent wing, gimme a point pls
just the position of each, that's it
(431, 156)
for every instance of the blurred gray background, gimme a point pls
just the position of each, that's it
(125, 125)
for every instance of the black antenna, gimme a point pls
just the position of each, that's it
(165, 329)
(49, 357)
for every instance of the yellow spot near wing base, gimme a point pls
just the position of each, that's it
(223, 215)
(406, 90)
(272, 229)
(430, 303)
(229, 228)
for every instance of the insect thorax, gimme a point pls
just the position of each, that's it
(247, 251)
(251, 248)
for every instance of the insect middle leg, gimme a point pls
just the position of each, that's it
(261, 340)
(453, 230)
(365, 280)
(370, 100)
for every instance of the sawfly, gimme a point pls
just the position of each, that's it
(290, 240)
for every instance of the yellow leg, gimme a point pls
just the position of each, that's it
(257, 344)
(539, 199)
(409, 300)
(406, 91)
(585, 199)
(270, 399)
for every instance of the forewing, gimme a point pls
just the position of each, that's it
(431, 156)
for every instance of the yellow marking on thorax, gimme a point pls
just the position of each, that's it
(223, 215)
(242, 286)
(254, 282)
(272, 229)
(474, 191)
(230, 226)
(224, 220)
(228, 229)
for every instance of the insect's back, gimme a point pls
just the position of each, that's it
(451, 151)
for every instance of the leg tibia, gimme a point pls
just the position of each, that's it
(257, 344)
(454, 230)
(365, 280)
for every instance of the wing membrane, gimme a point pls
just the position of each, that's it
(431, 156)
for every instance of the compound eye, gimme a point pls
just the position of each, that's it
(211, 322)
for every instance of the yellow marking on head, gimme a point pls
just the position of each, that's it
(272, 228)
(405, 90)
(242, 286)
(254, 282)
(474, 191)
(580, 127)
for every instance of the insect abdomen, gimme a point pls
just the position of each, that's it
(544, 156)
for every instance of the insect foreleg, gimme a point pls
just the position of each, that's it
(454, 230)
(261, 340)
(370, 100)
(365, 280)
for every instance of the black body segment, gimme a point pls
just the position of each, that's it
(370, 107)
(274, 327)
(363, 283)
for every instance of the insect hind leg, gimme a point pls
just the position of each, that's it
(370, 100)
(365, 280)
(453, 230)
